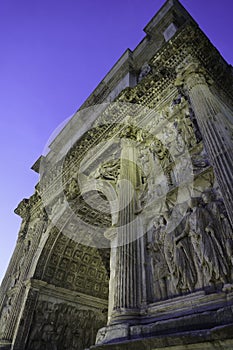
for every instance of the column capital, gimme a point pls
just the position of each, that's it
(190, 73)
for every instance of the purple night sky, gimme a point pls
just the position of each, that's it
(53, 54)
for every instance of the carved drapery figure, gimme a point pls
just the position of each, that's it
(160, 152)
(209, 257)
(218, 212)
(183, 259)
(179, 257)
(169, 248)
(220, 224)
(197, 253)
(185, 128)
(159, 264)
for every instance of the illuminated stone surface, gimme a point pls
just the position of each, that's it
(127, 241)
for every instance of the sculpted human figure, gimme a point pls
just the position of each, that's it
(179, 257)
(159, 264)
(169, 252)
(209, 258)
(160, 152)
(184, 128)
(218, 212)
(220, 225)
(185, 276)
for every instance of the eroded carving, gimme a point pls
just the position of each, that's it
(197, 253)
(160, 270)
(63, 326)
(5, 314)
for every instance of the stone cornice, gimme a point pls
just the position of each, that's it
(66, 294)
(191, 40)
(23, 208)
(30, 207)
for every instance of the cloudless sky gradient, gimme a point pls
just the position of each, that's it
(53, 54)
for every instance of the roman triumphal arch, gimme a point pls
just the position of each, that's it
(127, 241)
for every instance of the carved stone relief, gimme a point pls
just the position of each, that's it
(197, 253)
(160, 268)
(145, 70)
(60, 326)
(5, 313)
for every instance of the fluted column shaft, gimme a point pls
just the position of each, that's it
(128, 245)
(215, 121)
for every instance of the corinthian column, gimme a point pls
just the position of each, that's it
(215, 121)
(127, 282)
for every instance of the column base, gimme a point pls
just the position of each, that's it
(195, 321)
(118, 329)
(209, 339)
(117, 332)
(126, 315)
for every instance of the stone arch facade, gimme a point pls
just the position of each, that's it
(137, 265)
